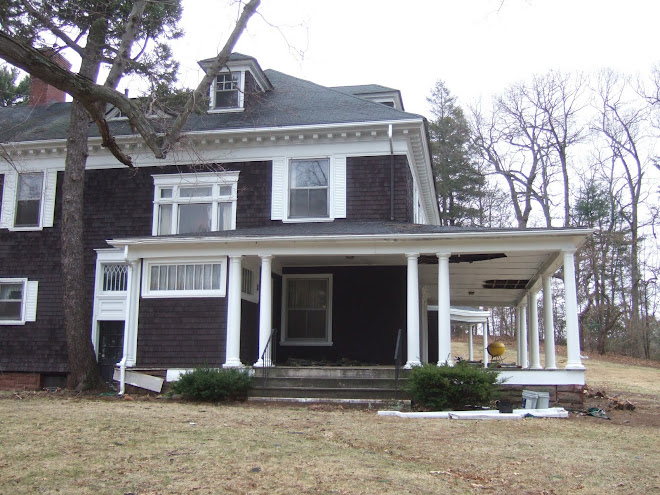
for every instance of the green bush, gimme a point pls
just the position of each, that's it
(452, 387)
(213, 384)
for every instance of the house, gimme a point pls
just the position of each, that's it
(290, 206)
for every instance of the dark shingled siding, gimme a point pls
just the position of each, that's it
(368, 189)
(368, 307)
(182, 333)
(118, 203)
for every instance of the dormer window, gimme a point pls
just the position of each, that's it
(227, 90)
(240, 75)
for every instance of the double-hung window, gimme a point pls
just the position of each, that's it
(228, 94)
(308, 188)
(28, 200)
(307, 311)
(194, 203)
(18, 301)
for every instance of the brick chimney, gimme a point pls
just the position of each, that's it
(41, 93)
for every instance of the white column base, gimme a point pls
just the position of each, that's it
(570, 366)
(233, 363)
(410, 364)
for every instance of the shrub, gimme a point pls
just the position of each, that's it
(452, 387)
(213, 384)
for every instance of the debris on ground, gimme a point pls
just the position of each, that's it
(615, 402)
(596, 412)
(622, 404)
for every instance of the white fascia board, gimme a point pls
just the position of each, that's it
(464, 243)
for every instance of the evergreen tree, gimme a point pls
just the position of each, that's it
(10, 92)
(458, 180)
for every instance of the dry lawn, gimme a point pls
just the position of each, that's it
(59, 443)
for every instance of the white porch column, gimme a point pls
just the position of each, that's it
(425, 325)
(265, 312)
(534, 353)
(523, 334)
(518, 335)
(413, 312)
(470, 343)
(444, 311)
(548, 326)
(486, 355)
(132, 311)
(573, 361)
(233, 347)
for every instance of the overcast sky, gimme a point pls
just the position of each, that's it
(477, 47)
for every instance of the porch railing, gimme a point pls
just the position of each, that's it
(398, 358)
(268, 357)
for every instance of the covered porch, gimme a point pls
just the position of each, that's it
(341, 291)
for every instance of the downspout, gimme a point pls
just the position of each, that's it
(390, 135)
(122, 363)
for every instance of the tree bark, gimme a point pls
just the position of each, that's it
(83, 372)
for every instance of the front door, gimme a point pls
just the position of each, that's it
(111, 347)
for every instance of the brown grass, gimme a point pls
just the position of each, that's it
(59, 443)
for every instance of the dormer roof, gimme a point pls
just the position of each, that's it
(374, 92)
(240, 62)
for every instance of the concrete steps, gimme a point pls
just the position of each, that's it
(341, 383)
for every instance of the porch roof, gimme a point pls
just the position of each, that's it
(488, 267)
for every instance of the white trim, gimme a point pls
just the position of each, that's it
(541, 377)
(161, 294)
(107, 306)
(306, 342)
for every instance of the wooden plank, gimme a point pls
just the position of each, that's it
(141, 380)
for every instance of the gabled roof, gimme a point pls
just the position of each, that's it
(238, 61)
(374, 92)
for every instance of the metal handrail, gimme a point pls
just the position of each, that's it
(267, 358)
(397, 360)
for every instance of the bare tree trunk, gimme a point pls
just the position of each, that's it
(83, 372)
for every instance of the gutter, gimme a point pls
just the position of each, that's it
(390, 135)
(349, 237)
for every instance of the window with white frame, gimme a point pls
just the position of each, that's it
(308, 188)
(18, 301)
(194, 203)
(227, 91)
(28, 200)
(307, 311)
(185, 279)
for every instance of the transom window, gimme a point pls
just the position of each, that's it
(115, 277)
(28, 199)
(308, 188)
(227, 90)
(188, 279)
(194, 203)
(307, 310)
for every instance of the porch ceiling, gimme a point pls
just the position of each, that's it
(466, 279)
